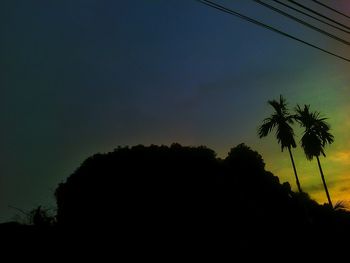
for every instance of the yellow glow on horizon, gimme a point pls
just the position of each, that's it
(341, 157)
(330, 97)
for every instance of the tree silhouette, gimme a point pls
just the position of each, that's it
(315, 137)
(170, 192)
(172, 199)
(138, 187)
(40, 217)
(281, 120)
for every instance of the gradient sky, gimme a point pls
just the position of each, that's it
(84, 76)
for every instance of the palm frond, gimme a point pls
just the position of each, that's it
(277, 107)
(316, 134)
(266, 127)
(341, 205)
(285, 135)
(281, 121)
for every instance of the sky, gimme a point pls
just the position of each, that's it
(85, 76)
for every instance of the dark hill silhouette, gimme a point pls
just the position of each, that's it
(161, 198)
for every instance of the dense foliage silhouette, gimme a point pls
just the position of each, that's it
(162, 198)
(172, 192)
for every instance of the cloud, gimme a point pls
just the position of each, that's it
(341, 157)
(314, 188)
(344, 189)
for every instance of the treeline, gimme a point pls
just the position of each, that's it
(161, 197)
(176, 192)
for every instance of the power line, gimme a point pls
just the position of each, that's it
(311, 16)
(334, 10)
(302, 22)
(317, 13)
(256, 22)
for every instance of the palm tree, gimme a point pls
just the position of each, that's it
(315, 137)
(281, 120)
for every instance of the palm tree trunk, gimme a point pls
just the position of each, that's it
(324, 182)
(295, 170)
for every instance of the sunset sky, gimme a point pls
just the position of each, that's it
(84, 76)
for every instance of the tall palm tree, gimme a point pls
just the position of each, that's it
(315, 137)
(282, 121)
